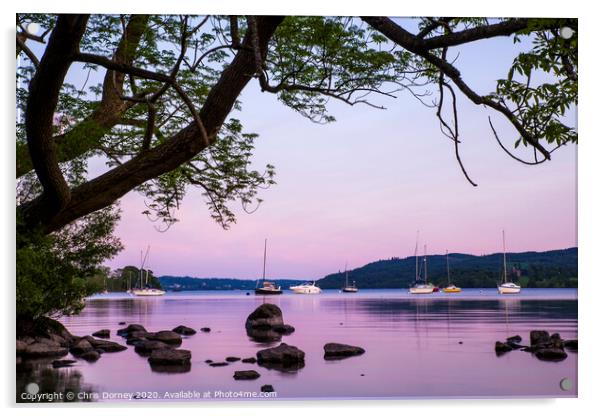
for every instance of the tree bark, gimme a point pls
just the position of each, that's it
(182, 147)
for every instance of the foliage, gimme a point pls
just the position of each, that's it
(131, 277)
(56, 272)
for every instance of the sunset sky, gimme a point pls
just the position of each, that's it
(357, 190)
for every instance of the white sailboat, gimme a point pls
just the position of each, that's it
(267, 288)
(146, 290)
(421, 288)
(507, 288)
(349, 288)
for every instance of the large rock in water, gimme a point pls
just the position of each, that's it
(131, 328)
(334, 351)
(81, 347)
(103, 333)
(168, 337)
(284, 357)
(502, 348)
(265, 316)
(147, 346)
(104, 345)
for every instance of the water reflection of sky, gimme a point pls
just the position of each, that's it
(415, 346)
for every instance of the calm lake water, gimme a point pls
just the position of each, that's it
(428, 346)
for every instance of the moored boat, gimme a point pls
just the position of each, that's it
(308, 288)
(146, 290)
(267, 288)
(421, 288)
(349, 288)
(450, 288)
(506, 287)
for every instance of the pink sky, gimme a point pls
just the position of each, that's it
(357, 190)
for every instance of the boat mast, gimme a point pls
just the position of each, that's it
(504, 247)
(265, 248)
(425, 272)
(346, 276)
(447, 263)
(416, 254)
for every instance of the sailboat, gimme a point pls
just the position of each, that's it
(146, 290)
(507, 288)
(421, 288)
(349, 288)
(267, 288)
(450, 288)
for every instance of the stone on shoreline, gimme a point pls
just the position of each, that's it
(333, 351)
(246, 375)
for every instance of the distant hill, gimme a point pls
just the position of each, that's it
(214, 283)
(556, 268)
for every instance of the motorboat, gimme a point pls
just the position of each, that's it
(308, 288)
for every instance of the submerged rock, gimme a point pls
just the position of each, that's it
(170, 356)
(550, 354)
(218, 364)
(81, 347)
(333, 351)
(169, 337)
(283, 329)
(131, 328)
(246, 375)
(515, 339)
(267, 388)
(249, 360)
(63, 363)
(91, 356)
(121, 323)
(184, 330)
(232, 359)
(283, 358)
(539, 337)
(502, 347)
(205, 329)
(147, 346)
(103, 333)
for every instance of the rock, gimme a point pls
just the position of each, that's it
(39, 349)
(62, 363)
(267, 388)
(169, 337)
(21, 347)
(169, 356)
(171, 369)
(283, 329)
(333, 351)
(205, 329)
(100, 351)
(514, 345)
(103, 333)
(184, 330)
(571, 344)
(91, 356)
(250, 360)
(106, 346)
(263, 335)
(218, 364)
(283, 357)
(246, 375)
(460, 342)
(121, 323)
(266, 315)
(147, 347)
(232, 359)
(515, 339)
(131, 328)
(208, 361)
(550, 354)
(81, 347)
(502, 347)
(539, 337)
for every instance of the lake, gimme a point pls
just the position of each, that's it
(417, 346)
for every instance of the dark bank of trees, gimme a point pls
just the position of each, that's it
(160, 114)
(551, 269)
